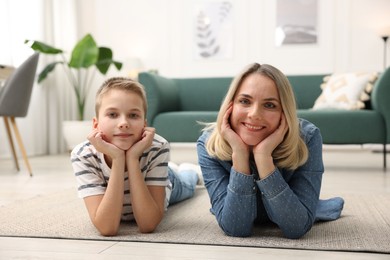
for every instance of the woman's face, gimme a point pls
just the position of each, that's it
(256, 109)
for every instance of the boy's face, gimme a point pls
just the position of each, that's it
(121, 118)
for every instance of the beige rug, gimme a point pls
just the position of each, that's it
(363, 227)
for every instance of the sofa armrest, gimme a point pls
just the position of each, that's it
(162, 94)
(380, 99)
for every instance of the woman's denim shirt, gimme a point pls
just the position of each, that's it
(287, 198)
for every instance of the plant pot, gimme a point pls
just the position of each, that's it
(75, 132)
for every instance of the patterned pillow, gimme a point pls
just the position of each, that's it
(346, 91)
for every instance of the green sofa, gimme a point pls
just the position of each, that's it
(177, 105)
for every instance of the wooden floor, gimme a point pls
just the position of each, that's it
(349, 170)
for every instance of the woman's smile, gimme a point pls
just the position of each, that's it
(252, 127)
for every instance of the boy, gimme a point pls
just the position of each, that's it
(122, 170)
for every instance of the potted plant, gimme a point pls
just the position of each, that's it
(86, 58)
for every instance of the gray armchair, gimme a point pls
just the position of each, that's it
(15, 98)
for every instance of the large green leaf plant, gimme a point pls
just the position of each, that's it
(86, 59)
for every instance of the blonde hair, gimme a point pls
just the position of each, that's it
(292, 152)
(120, 83)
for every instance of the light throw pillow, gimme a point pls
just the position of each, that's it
(346, 91)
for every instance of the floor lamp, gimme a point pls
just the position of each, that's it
(384, 38)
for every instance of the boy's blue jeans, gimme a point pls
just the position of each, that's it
(183, 184)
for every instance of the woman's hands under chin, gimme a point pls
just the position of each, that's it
(230, 135)
(240, 150)
(268, 145)
(262, 152)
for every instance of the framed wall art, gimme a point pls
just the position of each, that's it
(296, 22)
(213, 30)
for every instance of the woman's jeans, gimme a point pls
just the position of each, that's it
(183, 184)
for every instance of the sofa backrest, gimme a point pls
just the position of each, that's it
(206, 94)
(162, 94)
(307, 88)
(192, 91)
(202, 94)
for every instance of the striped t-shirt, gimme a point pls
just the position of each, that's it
(92, 173)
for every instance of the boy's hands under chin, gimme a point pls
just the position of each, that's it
(145, 142)
(96, 138)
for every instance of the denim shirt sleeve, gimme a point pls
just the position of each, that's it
(232, 194)
(290, 198)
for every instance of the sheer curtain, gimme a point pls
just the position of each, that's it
(53, 22)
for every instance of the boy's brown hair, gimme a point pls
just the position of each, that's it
(120, 83)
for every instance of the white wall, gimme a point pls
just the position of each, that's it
(367, 18)
(160, 34)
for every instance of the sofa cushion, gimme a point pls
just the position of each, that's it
(347, 126)
(346, 91)
(183, 126)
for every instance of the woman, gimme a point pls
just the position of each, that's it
(260, 162)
